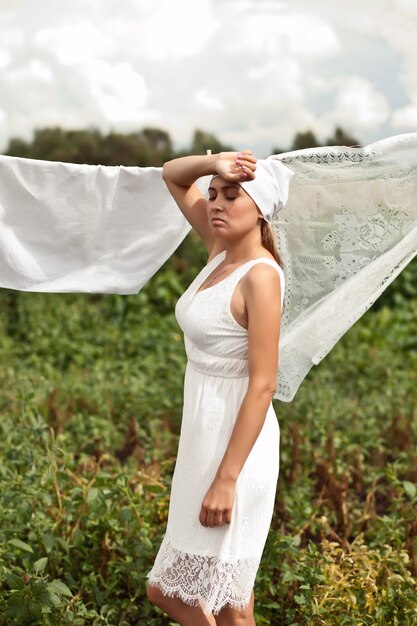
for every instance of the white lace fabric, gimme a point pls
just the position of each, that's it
(208, 581)
(348, 229)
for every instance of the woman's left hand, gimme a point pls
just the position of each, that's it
(217, 505)
(236, 166)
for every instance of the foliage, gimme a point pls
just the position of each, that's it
(308, 139)
(91, 400)
(150, 146)
(203, 141)
(146, 147)
(304, 140)
(341, 138)
(91, 408)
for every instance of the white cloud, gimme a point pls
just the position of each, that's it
(406, 117)
(172, 30)
(208, 101)
(119, 91)
(73, 44)
(29, 73)
(406, 6)
(359, 104)
(299, 34)
(393, 22)
(4, 59)
(12, 37)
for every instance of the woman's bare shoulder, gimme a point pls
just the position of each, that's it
(262, 278)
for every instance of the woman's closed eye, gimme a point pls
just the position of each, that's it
(230, 195)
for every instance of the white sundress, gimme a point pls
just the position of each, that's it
(216, 567)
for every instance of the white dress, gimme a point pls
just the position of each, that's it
(216, 567)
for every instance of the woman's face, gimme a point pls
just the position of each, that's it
(230, 202)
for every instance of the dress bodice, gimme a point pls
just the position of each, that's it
(215, 342)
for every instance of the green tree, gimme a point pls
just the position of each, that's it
(150, 146)
(18, 147)
(305, 140)
(202, 141)
(125, 149)
(341, 138)
(278, 150)
(159, 143)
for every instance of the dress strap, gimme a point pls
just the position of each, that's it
(237, 276)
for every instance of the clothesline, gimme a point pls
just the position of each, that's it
(348, 229)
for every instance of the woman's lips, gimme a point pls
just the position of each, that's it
(218, 220)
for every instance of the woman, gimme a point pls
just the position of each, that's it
(224, 483)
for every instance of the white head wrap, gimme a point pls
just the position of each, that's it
(269, 189)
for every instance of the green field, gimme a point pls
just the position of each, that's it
(91, 399)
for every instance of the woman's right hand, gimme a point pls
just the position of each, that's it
(236, 167)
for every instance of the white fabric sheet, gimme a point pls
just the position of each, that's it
(84, 228)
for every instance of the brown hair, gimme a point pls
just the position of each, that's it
(268, 241)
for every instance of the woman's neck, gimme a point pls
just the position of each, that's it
(243, 250)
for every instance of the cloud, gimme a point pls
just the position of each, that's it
(393, 22)
(5, 59)
(299, 34)
(174, 30)
(30, 73)
(359, 104)
(253, 72)
(118, 90)
(206, 100)
(406, 117)
(73, 44)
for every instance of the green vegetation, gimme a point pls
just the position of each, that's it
(90, 403)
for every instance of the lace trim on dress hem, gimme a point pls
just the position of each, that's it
(203, 580)
(179, 593)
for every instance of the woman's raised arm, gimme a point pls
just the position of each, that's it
(180, 175)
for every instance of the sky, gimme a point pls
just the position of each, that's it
(253, 72)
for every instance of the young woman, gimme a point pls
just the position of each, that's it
(226, 472)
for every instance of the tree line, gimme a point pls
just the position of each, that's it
(142, 148)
